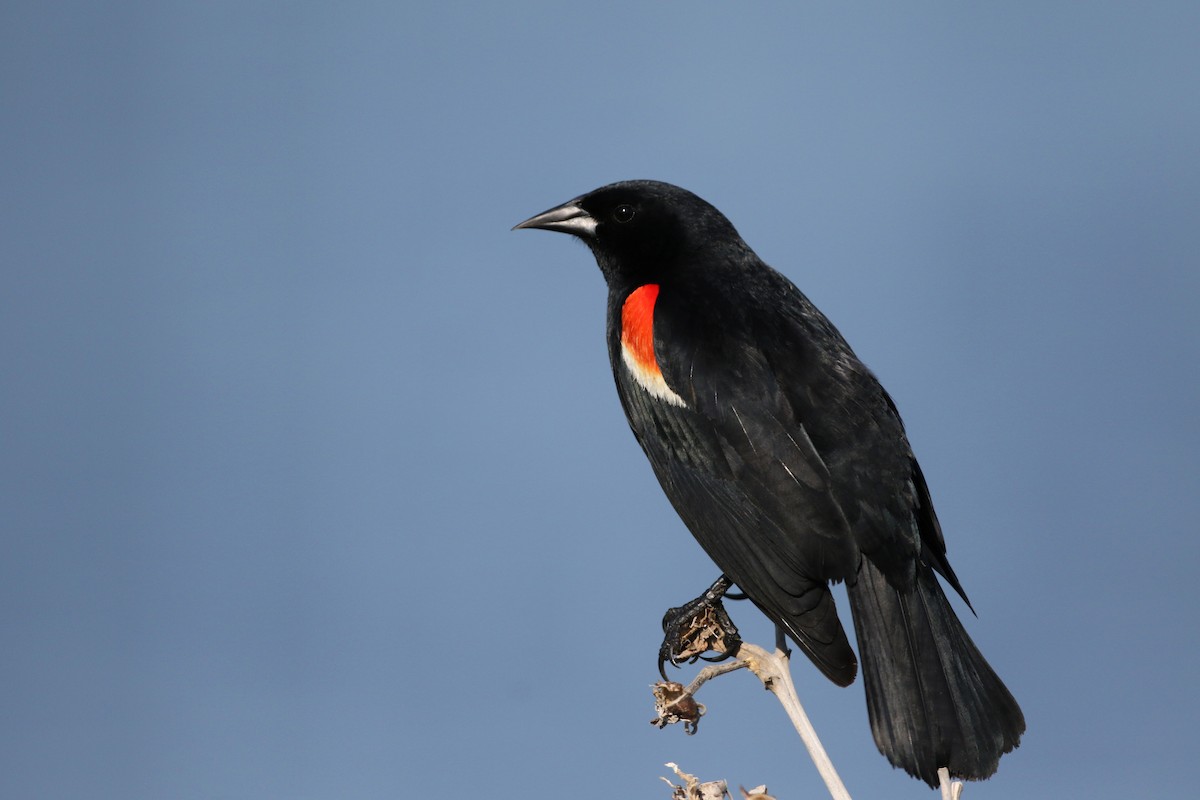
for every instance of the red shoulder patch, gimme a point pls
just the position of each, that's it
(637, 344)
(637, 327)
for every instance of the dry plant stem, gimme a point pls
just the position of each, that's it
(951, 790)
(708, 673)
(773, 670)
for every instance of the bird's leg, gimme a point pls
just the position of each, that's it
(697, 627)
(781, 643)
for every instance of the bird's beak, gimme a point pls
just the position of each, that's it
(567, 218)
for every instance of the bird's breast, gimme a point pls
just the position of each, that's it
(637, 344)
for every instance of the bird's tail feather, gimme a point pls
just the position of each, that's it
(932, 699)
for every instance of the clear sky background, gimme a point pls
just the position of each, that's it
(315, 484)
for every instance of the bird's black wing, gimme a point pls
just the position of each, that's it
(858, 432)
(744, 476)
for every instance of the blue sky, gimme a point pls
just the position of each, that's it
(314, 481)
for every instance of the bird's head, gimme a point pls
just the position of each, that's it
(641, 229)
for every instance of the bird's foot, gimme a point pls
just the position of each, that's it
(698, 627)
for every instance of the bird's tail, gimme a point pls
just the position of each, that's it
(933, 700)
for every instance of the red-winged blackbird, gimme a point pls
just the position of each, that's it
(788, 461)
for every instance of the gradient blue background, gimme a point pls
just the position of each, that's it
(314, 481)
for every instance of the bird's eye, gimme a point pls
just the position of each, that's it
(623, 213)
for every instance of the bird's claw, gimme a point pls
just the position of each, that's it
(698, 627)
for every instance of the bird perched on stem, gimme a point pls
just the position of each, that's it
(789, 463)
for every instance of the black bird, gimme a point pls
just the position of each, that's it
(788, 462)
